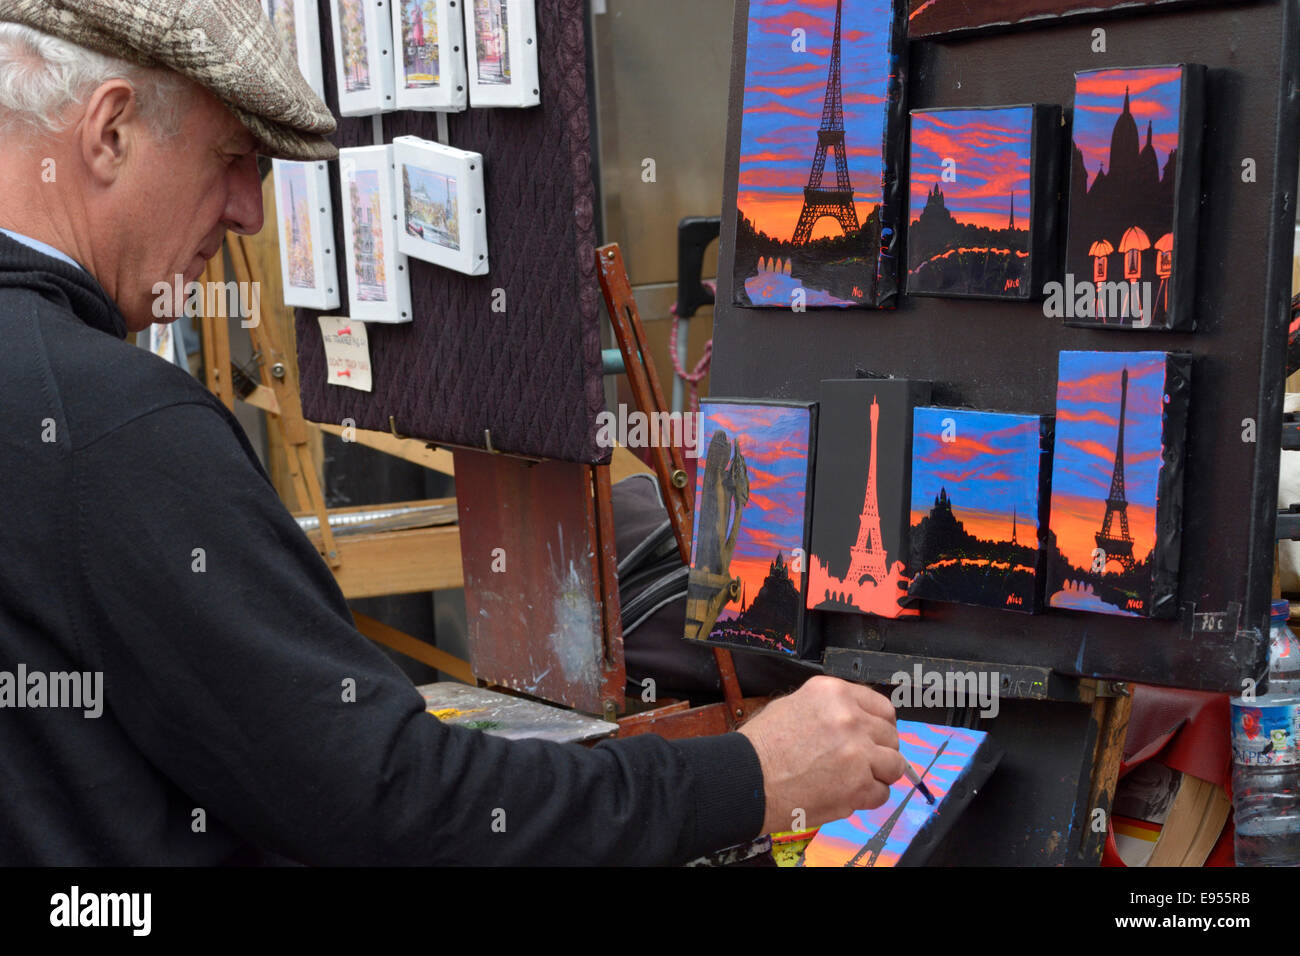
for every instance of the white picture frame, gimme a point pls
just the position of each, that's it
(298, 21)
(379, 279)
(363, 56)
(304, 212)
(441, 205)
(501, 45)
(429, 75)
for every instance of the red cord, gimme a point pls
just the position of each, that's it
(692, 378)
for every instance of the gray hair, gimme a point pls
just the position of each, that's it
(41, 76)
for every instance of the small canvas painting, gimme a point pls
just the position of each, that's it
(817, 203)
(858, 560)
(368, 235)
(1117, 482)
(356, 56)
(979, 495)
(492, 41)
(952, 762)
(432, 206)
(283, 18)
(982, 191)
(298, 23)
(1134, 192)
(296, 221)
(420, 66)
(748, 581)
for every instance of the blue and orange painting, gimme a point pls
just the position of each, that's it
(977, 490)
(747, 571)
(1123, 191)
(969, 209)
(940, 756)
(820, 86)
(1105, 480)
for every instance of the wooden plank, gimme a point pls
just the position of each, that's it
(532, 589)
(605, 559)
(1110, 717)
(399, 562)
(421, 651)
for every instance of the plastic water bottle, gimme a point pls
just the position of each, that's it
(1266, 757)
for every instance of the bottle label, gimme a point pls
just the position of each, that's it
(1266, 735)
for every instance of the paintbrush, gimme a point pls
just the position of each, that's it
(910, 773)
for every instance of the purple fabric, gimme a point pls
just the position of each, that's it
(532, 374)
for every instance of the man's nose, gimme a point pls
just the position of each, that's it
(244, 207)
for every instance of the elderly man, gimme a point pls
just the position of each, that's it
(141, 540)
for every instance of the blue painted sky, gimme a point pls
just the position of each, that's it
(989, 468)
(1154, 96)
(1087, 423)
(784, 92)
(991, 149)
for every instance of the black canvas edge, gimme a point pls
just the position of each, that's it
(982, 764)
(1044, 199)
(895, 123)
(802, 637)
(1272, 384)
(1046, 455)
(1162, 601)
(894, 155)
(1187, 199)
(1083, 11)
(1042, 551)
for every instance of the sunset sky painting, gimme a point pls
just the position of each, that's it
(1155, 94)
(774, 441)
(1087, 422)
(842, 842)
(784, 91)
(991, 149)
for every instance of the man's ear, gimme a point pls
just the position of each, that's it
(109, 129)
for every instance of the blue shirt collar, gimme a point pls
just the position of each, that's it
(44, 247)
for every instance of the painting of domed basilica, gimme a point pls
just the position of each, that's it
(1134, 194)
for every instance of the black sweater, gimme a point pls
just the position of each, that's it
(223, 687)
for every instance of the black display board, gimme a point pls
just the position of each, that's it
(1003, 356)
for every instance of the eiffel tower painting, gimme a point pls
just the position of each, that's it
(951, 761)
(860, 523)
(1117, 482)
(1117, 547)
(818, 201)
(819, 151)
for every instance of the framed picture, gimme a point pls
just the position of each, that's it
(430, 41)
(363, 57)
(501, 38)
(982, 204)
(822, 136)
(305, 223)
(441, 207)
(1117, 482)
(979, 507)
(298, 21)
(858, 560)
(379, 281)
(753, 499)
(1135, 196)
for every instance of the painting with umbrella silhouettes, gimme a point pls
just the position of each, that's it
(952, 763)
(822, 130)
(1135, 185)
(1117, 482)
(982, 203)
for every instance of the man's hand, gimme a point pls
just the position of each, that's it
(828, 749)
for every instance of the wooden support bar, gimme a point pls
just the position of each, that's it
(418, 650)
(398, 562)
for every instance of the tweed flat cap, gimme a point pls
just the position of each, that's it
(226, 46)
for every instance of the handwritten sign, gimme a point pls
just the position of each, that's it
(347, 352)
